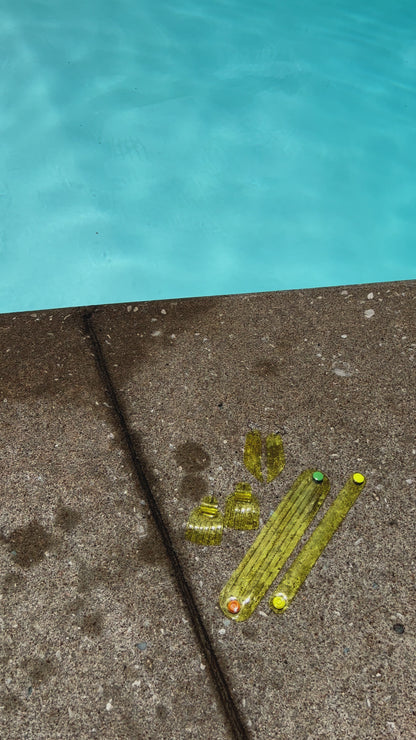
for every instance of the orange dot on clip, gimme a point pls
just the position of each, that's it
(233, 606)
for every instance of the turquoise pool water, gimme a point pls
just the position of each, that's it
(167, 149)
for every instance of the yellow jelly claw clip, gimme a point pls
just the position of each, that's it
(275, 456)
(273, 545)
(205, 523)
(303, 564)
(242, 510)
(252, 454)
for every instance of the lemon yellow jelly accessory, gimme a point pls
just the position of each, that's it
(303, 564)
(275, 457)
(242, 509)
(252, 454)
(205, 523)
(261, 564)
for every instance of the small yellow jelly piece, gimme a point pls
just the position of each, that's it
(252, 454)
(275, 456)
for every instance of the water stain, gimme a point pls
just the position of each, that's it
(39, 670)
(120, 562)
(267, 369)
(9, 702)
(6, 655)
(67, 518)
(150, 551)
(277, 681)
(28, 545)
(249, 632)
(193, 487)
(162, 712)
(92, 624)
(131, 329)
(12, 583)
(147, 470)
(75, 606)
(192, 457)
(35, 353)
(87, 578)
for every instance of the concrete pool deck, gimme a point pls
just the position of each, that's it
(115, 422)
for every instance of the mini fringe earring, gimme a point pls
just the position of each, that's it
(242, 510)
(205, 523)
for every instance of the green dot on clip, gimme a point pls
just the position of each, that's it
(318, 476)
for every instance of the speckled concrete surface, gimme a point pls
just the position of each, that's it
(95, 640)
(334, 372)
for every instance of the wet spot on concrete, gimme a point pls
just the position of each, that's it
(86, 578)
(39, 670)
(92, 624)
(162, 712)
(28, 544)
(192, 457)
(119, 563)
(67, 518)
(278, 680)
(147, 470)
(5, 655)
(75, 605)
(193, 487)
(150, 551)
(9, 702)
(12, 583)
(249, 632)
(267, 369)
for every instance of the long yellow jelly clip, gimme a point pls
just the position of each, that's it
(303, 564)
(273, 545)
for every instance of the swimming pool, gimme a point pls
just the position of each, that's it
(168, 149)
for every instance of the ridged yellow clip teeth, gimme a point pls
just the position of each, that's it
(303, 564)
(242, 509)
(205, 523)
(273, 545)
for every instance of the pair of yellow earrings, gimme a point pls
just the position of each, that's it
(242, 510)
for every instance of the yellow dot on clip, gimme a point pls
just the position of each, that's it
(279, 602)
(233, 606)
(358, 478)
